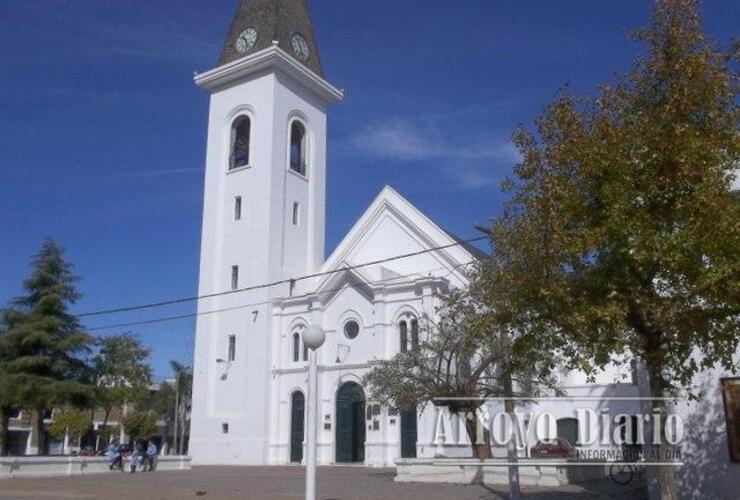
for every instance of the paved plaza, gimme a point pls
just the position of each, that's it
(280, 483)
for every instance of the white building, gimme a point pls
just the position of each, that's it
(263, 222)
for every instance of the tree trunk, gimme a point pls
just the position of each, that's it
(177, 418)
(183, 427)
(4, 423)
(163, 448)
(37, 432)
(508, 386)
(103, 428)
(663, 474)
(65, 446)
(480, 444)
(514, 491)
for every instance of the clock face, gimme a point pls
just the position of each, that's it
(246, 40)
(300, 47)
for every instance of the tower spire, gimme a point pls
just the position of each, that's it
(259, 23)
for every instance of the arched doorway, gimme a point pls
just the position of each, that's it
(408, 433)
(297, 419)
(350, 436)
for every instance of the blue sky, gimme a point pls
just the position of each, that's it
(102, 132)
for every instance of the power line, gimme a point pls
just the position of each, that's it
(253, 304)
(275, 283)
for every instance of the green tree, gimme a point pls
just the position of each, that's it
(43, 349)
(163, 401)
(122, 373)
(140, 424)
(450, 362)
(163, 405)
(621, 235)
(73, 423)
(459, 360)
(6, 407)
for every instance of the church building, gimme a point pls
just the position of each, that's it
(264, 279)
(263, 222)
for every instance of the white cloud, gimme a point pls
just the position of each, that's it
(404, 140)
(396, 139)
(472, 162)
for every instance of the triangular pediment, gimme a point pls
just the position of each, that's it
(392, 227)
(345, 277)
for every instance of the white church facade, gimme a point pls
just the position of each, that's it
(263, 223)
(264, 276)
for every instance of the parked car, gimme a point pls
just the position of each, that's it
(557, 448)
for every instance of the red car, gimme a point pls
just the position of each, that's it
(557, 448)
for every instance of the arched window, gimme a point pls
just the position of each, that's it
(305, 352)
(403, 331)
(298, 147)
(296, 347)
(414, 334)
(408, 331)
(240, 137)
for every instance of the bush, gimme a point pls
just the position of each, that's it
(140, 424)
(74, 423)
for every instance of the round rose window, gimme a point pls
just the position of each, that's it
(351, 329)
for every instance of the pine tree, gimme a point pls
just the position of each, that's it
(6, 408)
(43, 349)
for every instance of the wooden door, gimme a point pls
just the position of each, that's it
(408, 433)
(350, 433)
(297, 419)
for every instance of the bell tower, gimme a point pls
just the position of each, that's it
(263, 216)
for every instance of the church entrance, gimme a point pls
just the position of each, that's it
(297, 419)
(350, 437)
(408, 433)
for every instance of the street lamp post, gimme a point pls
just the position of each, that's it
(313, 338)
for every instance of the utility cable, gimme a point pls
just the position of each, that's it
(274, 283)
(253, 304)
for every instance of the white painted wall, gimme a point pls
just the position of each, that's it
(266, 247)
(708, 471)
(252, 394)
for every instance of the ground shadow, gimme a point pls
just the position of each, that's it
(602, 488)
(707, 471)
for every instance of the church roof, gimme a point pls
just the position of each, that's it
(392, 226)
(260, 22)
(389, 227)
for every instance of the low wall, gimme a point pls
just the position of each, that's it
(17, 467)
(532, 472)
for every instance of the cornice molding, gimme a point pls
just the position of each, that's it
(273, 58)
